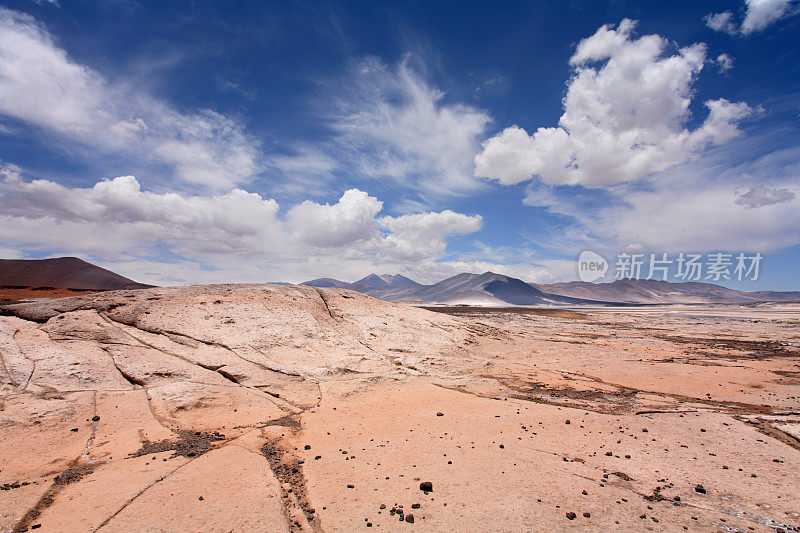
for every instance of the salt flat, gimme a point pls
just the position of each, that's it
(268, 407)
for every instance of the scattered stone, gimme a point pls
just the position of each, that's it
(699, 488)
(426, 486)
(410, 518)
(571, 516)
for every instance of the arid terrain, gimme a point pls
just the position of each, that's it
(292, 408)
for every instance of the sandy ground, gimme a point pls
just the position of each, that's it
(264, 407)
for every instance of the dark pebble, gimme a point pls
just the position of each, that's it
(426, 486)
(571, 516)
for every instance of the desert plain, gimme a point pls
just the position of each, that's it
(292, 408)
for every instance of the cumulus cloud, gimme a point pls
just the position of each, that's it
(762, 195)
(625, 116)
(237, 230)
(762, 13)
(759, 15)
(724, 63)
(41, 86)
(721, 22)
(116, 216)
(417, 236)
(349, 220)
(392, 124)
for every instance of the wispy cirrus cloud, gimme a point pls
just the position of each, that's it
(40, 85)
(390, 124)
(702, 206)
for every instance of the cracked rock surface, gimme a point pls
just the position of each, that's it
(281, 408)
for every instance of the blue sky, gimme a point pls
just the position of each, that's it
(188, 142)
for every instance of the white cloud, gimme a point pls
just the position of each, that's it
(116, 216)
(392, 124)
(10, 253)
(701, 206)
(724, 62)
(762, 13)
(40, 85)
(759, 15)
(418, 236)
(240, 233)
(625, 116)
(721, 22)
(349, 220)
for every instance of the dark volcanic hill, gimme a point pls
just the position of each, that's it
(62, 273)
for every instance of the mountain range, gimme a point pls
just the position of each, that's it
(487, 289)
(490, 289)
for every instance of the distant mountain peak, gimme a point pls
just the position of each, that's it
(386, 280)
